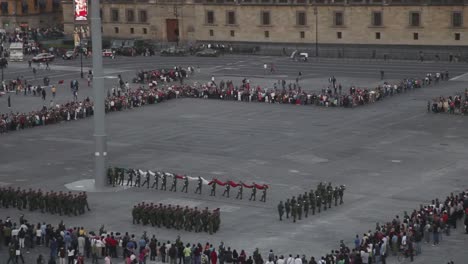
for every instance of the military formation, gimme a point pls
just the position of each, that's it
(314, 201)
(60, 203)
(177, 217)
(168, 181)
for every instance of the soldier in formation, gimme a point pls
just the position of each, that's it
(177, 217)
(322, 197)
(61, 203)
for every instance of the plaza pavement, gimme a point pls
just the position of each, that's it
(391, 155)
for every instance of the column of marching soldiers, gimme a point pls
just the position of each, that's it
(116, 176)
(322, 197)
(177, 217)
(61, 203)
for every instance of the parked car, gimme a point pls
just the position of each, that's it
(43, 57)
(107, 53)
(173, 51)
(207, 53)
(69, 55)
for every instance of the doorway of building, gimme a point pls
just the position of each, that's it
(172, 30)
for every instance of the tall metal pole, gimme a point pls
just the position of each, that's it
(100, 137)
(316, 31)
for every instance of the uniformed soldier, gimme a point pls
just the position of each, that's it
(156, 180)
(253, 195)
(110, 176)
(299, 209)
(163, 181)
(138, 179)
(199, 186)
(213, 188)
(341, 192)
(147, 180)
(330, 198)
(185, 187)
(319, 203)
(174, 184)
(227, 189)
(306, 207)
(281, 210)
(264, 191)
(131, 173)
(294, 212)
(287, 206)
(135, 217)
(312, 202)
(121, 176)
(240, 191)
(335, 195)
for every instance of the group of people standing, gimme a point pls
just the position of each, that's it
(457, 104)
(322, 197)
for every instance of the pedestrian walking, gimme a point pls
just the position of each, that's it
(43, 94)
(9, 101)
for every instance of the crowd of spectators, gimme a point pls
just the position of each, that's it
(457, 104)
(402, 236)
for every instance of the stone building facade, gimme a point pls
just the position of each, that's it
(30, 14)
(329, 23)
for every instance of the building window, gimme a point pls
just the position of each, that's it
(132, 31)
(231, 18)
(145, 31)
(301, 19)
(233, 33)
(143, 16)
(338, 35)
(211, 33)
(115, 15)
(457, 36)
(130, 15)
(338, 19)
(415, 19)
(116, 30)
(377, 35)
(267, 34)
(4, 8)
(302, 34)
(210, 18)
(415, 36)
(377, 19)
(265, 17)
(457, 19)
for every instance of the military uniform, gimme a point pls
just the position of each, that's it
(174, 184)
(264, 191)
(253, 195)
(138, 179)
(163, 181)
(130, 173)
(199, 186)
(240, 191)
(213, 189)
(147, 180)
(287, 207)
(281, 210)
(156, 181)
(227, 189)
(186, 182)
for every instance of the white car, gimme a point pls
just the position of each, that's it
(43, 57)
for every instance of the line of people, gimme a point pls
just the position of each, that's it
(323, 196)
(48, 202)
(139, 178)
(177, 217)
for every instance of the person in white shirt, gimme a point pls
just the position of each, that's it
(280, 260)
(290, 260)
(107, 260)
(298, 260)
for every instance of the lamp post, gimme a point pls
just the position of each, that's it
(100, 137)
(316, 31)
(176, 14)
(81, 61)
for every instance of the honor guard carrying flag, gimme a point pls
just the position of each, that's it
(199, 186)
(253, 195)
(185, 187)
(138, 179)
(174, 184)
(121, 172)
(227, 189)
(264, 191)
(147, 179)
(163, 181)
(131, 173)
(213, 187)
(240, 191)
(287, 206)
(156, 180)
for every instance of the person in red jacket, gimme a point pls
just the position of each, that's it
(213, 257)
